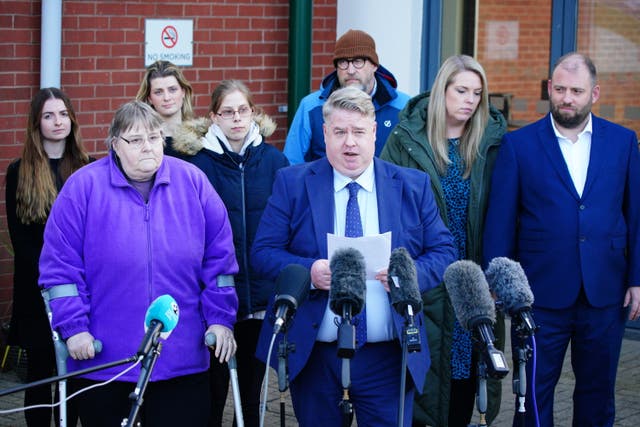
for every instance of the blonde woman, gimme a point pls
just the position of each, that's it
(165, 88)
(453, 134)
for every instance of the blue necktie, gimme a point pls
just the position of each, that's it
(353, 228)
(353, 224)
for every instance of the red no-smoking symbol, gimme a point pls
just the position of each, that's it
(169, 36)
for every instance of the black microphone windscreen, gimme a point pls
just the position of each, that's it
(509, 282)
(292, 285)
(403, 282)
(469, 294)
(348, 281)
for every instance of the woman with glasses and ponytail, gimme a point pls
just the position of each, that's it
(229, 146)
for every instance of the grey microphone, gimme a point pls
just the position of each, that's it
(509, 283)
(348, 281)
(475, 310)
(405, 293)
(403, 282)
(347, 295)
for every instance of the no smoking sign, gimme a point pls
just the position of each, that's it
(169, 36)
(169, 40)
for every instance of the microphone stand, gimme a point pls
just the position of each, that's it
(67, 376)
(284, 349)
(481, 396)
(522, 351)
(483, 342)
(491, 363)
(148, 363)
(410, 344)
(346, 351)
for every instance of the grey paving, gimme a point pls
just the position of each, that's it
(627, 394)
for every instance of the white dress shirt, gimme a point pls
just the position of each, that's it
(379, 320)
(576, 154)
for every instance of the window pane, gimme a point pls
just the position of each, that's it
(513, 47)
(608, 33)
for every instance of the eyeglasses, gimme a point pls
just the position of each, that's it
(358, 63)
(229, 114)
(138, 141)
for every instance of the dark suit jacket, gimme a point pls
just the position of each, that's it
(294, 228)
(563, 240)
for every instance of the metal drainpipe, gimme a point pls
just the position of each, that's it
(51, 43)
(299, 80)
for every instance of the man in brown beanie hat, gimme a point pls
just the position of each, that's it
(356, 62)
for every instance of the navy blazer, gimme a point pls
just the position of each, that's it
(562, 240)
(294, 227)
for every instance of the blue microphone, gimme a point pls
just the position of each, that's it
(161, 318)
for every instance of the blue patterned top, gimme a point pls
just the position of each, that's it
(456, 195)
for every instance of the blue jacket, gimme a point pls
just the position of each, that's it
(244, 183)
(565, 241)
(305, 139)
(122, 253)
(294, 230)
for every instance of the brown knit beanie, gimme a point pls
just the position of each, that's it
(355, 44)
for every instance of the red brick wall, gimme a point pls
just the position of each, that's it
(103, 62)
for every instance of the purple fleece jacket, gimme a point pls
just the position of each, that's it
(122, 253)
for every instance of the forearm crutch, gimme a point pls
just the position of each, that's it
(210, 341)
(59, 346)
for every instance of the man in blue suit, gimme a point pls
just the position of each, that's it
(309, 201)
(565, 203)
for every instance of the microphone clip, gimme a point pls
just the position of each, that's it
(151, 339)
(412, 335)
(411, 332)
(496, 363)
(346, 336)
(523, 323)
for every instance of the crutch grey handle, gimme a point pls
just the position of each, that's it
(64, 352)
(210, 341)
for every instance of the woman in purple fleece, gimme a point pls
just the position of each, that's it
(132, 226)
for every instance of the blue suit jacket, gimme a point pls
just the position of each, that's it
(562, 240)
(294, 227)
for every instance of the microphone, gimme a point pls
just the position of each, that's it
(292, 288)
(509, 283)
(347, 295)
(475, 310)
(405, 293)
(161, 318)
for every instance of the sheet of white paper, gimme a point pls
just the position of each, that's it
(376, 250)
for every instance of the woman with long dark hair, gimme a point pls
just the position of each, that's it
(52, 152)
